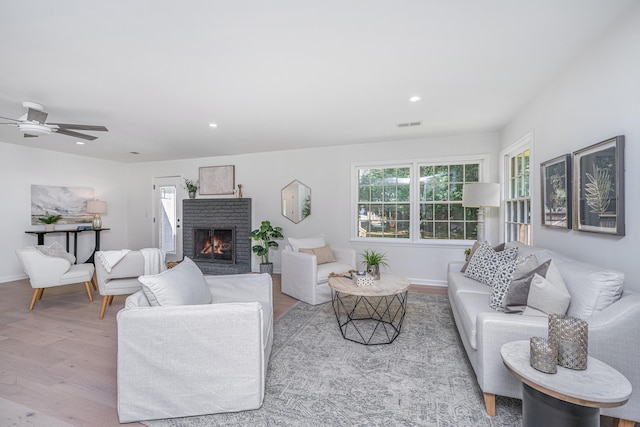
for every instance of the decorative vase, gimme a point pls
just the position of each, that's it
(543, 355)
(239, 191)
(266, 268)
(192, 194)
(374, 271)
(571, 336)
(49, 227)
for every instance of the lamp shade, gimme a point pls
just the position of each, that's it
(96, 207)
(481, 195)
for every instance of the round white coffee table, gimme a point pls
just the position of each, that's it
(370, 315)
(568, 397)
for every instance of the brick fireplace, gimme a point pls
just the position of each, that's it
(216, 234)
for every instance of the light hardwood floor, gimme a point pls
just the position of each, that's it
(58, 362)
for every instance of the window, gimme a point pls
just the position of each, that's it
(417, 201)
(517, 181)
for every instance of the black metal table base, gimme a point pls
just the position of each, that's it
(541, 410)
(370, 320)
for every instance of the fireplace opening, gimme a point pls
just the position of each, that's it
(214, 244)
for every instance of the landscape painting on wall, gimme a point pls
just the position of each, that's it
(69, 202)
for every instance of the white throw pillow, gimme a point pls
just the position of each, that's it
(56, 250)
(307, 243)
(183, 284)
(546, 297)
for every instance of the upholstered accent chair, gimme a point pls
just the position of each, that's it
(191, 345)
(306, 265)
(58, 269)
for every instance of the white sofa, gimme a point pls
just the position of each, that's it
(187, 360)
(614, 330)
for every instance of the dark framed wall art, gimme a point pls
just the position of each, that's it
(599, 187)
(556, 192)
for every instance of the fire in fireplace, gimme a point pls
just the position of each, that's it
(214, 244)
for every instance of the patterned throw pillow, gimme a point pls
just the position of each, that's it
(502, 280)
(56, 250)
(485, 262)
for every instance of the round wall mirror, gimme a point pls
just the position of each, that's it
(296, 201)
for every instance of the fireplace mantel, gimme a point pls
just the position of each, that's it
(219, 213)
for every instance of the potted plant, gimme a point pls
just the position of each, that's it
(49, 221)
(265, 235)
(192, 187)
(373, 260)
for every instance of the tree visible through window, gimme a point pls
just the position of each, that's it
(386, 199)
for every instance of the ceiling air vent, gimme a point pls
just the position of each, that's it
(409, 124)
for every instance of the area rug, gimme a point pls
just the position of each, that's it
(316, 378)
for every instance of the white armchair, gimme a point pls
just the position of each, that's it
(47, 271)
(303, 277)
(187, 360)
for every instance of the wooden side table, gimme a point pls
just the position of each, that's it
(569, 397)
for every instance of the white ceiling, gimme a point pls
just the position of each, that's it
(281, 74)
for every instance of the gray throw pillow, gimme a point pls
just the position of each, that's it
(503, 279)
(516, 298)
(546, 297)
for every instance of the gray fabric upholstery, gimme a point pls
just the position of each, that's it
(176, 361)
(614, 331)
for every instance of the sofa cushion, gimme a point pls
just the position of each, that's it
(502, 280)
(323, 254)
(516, 298)
(485, 262)
(182, 285)
(474, 248)
(307, 243)
(470, 304)
(457, 282)
(331, 267)
(592, 288)
(546, 297)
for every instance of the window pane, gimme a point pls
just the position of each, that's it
(402, 194)
(457, 230)
(364, 194)
(471, 231)
(376, 193)
(441, 192)
(426, 191)
(455, 192)
(456, 173)
(426, 212)
(457, 212)
(471, 173)
(442, 230)
(364, 176)
(441, 212)
(426, 230)
(404, 212)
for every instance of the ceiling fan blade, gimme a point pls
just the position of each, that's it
(75, 134)
(26, 135)
(9, 118)
(80, 127)
(37, 116)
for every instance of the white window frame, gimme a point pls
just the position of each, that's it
(522, 144)
(414, 165)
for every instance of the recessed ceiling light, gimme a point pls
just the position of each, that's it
(415, 98)
(213, 125)
(134, 152)
(79, 142)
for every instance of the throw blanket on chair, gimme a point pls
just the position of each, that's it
(110, 258)
(153, 260)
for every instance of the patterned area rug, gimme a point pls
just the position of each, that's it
(316, 378)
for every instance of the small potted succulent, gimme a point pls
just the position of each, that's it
(265, 235)
(192, 187)
(373, 260)
(49, 221)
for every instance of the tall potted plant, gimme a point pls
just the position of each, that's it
(373, 261)
(265, 235)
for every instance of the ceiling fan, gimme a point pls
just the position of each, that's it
(34, 124)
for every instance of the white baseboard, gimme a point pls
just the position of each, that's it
(4, 279)
(427, 282)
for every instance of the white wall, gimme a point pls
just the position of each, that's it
(20, 167)
(598, 97)
(328, 172)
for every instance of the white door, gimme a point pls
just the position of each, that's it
(167, 215)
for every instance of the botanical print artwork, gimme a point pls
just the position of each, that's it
(556, 192)
(600, 187)
(69, 202)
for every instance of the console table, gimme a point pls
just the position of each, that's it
(41, 233)
(568, 398)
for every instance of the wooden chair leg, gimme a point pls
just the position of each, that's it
(88, 287)
(93, 282)
(111, 299)
(617, 422)
(104, 305)
(490, 404)
(40, 293)
(34, 298)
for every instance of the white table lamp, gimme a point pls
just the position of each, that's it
(481, 195)
(97, 207)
